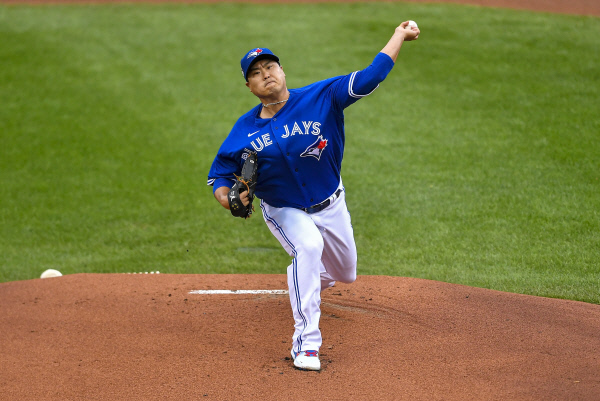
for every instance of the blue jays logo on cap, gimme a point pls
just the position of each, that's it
(254, 53)
(253, 56)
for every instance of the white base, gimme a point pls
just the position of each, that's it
(51, 273)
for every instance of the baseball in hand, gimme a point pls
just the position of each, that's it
(412, 24)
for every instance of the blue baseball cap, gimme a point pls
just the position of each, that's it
(253, 56)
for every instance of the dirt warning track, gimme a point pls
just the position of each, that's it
(146, 337)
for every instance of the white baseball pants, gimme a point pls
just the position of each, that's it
(323, 248)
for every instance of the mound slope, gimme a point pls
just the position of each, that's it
(145, 337)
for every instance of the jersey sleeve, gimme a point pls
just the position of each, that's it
(362, 83)
(223, 169)
(221, 172)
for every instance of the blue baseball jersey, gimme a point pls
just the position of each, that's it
(300, 149)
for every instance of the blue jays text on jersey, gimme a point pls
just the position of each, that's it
(300, 149)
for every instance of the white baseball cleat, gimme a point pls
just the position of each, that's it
(306, 360)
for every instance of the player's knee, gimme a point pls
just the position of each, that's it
(348, 277)
(349, 272)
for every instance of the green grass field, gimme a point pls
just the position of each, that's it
(476, 162)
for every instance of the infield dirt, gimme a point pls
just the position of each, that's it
(145, 337)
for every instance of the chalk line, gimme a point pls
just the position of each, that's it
(214, 292)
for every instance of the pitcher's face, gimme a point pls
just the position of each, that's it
(266, 78)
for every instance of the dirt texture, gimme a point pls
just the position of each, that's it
(582, 7)
(145, 337)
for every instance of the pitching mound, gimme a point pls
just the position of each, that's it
(146, 337)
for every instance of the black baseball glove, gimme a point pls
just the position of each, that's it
(245, 182)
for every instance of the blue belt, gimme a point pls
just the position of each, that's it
(320, 206)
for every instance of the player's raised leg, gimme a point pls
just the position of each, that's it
(339, 254)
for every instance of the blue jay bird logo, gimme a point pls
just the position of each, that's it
(255, 53)
(316, 149)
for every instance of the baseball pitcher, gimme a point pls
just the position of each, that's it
(288, 152)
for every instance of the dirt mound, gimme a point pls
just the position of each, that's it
(146, 337)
